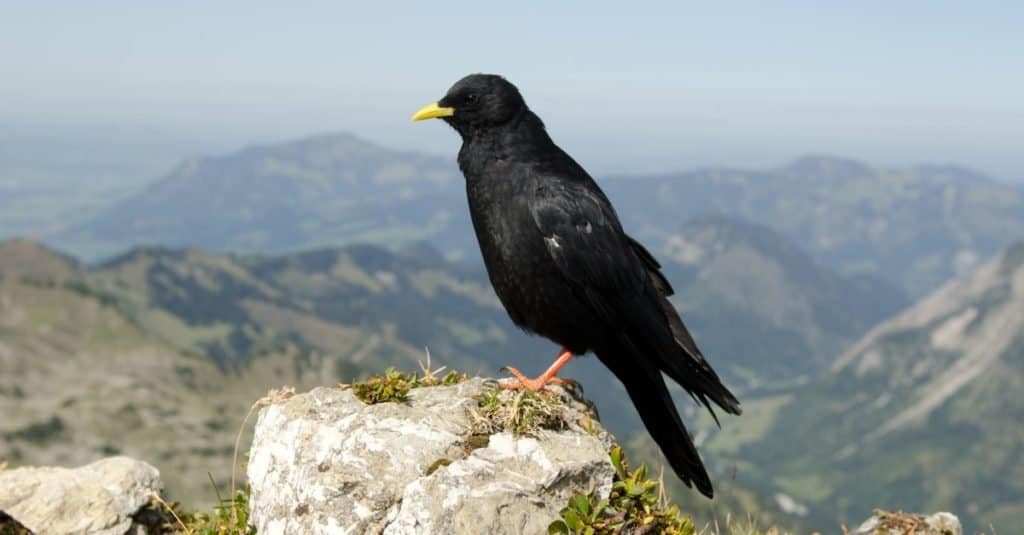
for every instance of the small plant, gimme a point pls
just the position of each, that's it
(750, 527)
(229, 517)
(522, 412)
(394, 385)
(635, 505)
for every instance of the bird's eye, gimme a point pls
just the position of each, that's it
(471, 98)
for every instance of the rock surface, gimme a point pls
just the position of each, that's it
(325, 462)
(99, 498)
(887, 523)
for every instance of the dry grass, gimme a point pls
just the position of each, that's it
(520, 412)
(275, 395)
(748, 526)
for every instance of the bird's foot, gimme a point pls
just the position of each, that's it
(518, 381)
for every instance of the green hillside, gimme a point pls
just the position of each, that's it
(921, 414)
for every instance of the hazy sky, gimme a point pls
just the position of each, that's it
(650, 86)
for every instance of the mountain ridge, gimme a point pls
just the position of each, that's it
(915, 226)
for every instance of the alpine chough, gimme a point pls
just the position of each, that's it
(563, 267)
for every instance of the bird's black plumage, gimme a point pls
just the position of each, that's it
(563, 267)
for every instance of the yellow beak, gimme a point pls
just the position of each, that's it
(432, 111)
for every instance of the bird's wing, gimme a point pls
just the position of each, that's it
(584, 237)
(653, 267)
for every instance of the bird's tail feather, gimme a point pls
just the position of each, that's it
(646, 388)
(674, 352)
(693, 372)
(689, 369)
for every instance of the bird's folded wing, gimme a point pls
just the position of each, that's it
(584, 237)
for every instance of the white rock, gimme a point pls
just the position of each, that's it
(325, 462)
(99, 498)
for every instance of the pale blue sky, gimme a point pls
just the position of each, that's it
(651, 86)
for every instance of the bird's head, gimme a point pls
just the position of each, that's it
(476, 102)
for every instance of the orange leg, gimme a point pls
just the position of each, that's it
(520, 381)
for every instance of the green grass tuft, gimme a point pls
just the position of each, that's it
(229, 517)
(394, 386)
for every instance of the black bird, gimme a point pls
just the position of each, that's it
(563, 267)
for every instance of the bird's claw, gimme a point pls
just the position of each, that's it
(518, 381)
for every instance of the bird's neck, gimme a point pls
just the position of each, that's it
(522, 139)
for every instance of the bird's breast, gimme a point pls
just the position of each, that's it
(525, 278)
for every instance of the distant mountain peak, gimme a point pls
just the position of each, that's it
(706, 233)
(827, 166)
(327, 189)
(952, 172)
(141, 252)
(339, 142)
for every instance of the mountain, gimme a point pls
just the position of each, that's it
(231, 307)
(761, 307)
(327, 315)
(921, 413)
(914, 226)
(322, 190)
(80, 380)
